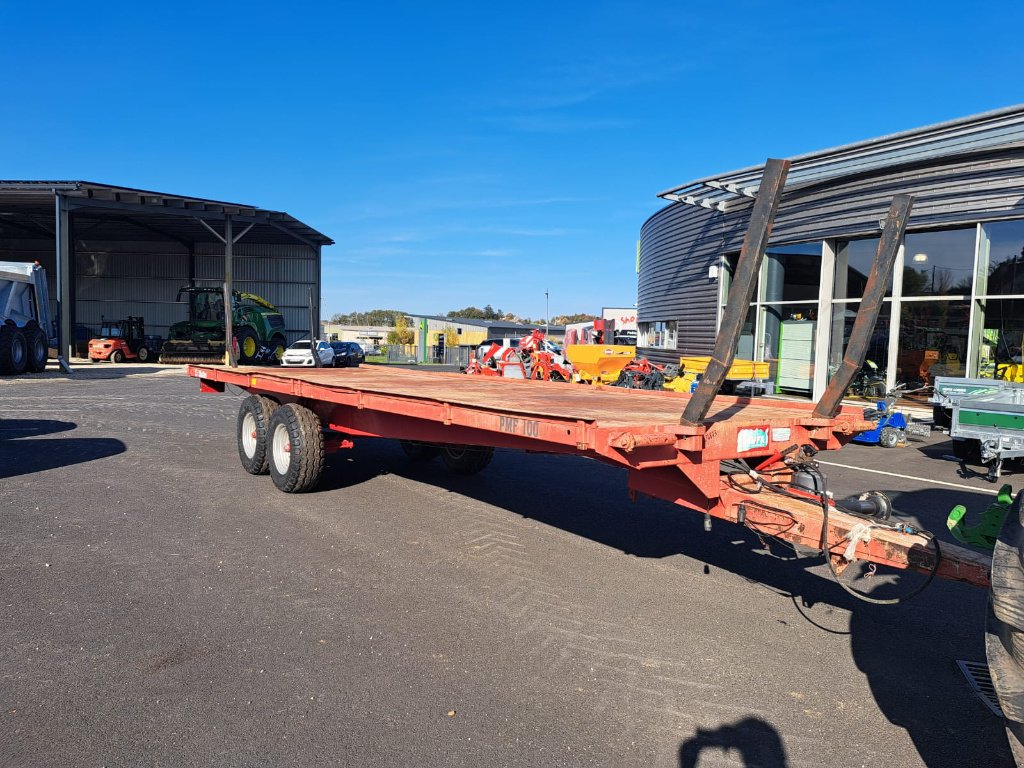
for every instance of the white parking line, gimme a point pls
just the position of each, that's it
(928, 480)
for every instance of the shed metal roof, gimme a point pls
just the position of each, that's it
(963, 136)
(145, 210)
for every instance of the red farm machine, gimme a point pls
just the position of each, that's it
(534, 357)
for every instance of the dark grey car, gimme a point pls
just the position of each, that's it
(347, 353)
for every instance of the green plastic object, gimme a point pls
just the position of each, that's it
(983, 534)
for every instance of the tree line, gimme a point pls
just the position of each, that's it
(392, 317)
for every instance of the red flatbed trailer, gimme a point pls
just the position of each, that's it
(634, 429)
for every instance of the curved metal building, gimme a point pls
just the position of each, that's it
(956, 303)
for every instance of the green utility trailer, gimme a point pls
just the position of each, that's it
(947, 391)
(990, 428)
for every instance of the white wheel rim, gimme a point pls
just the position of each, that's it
(249, 435)
(282, 449)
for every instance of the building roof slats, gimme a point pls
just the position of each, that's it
(957, 137)
(39, 193)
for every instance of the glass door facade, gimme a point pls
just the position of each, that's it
(954, 306)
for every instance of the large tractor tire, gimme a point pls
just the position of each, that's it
(253, 425)
(295, 443)
(466, 459)
(248, 345)
(279, 344)
(1004, 635)
(35, 341)
(13, 350)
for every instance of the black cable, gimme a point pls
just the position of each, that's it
(860, 595)
(822, 499)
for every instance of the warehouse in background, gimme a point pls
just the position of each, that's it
(113, 252)
(955, 304)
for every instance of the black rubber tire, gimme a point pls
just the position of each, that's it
(875, 390)
(251, 432)
(419, 451)
(466, 459)
(13, 350)
(968, 451)
(242, 335)
(35, 342)
(941, 418)
(143, 354)
(297, 467)
(117, 356)
(1004, 627)
(279, 344)
(889, 437)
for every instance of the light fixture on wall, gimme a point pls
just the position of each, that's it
(920, 258)
(713, 272)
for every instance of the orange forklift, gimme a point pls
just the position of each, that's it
(124, 340)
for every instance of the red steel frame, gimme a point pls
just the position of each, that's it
(626, 428)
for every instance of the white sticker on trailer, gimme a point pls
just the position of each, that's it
(751, 439)
(781, 434)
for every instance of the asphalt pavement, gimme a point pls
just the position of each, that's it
(160, 607)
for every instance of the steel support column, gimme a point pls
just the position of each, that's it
(229, 253)
(62, 222)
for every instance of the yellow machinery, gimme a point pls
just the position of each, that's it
(598, 363)
(690, 368)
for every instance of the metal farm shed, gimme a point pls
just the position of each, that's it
(113, 251)
(966, 226)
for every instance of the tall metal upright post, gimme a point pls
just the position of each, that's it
(65, 336)
(740, 292)
(229, 331)
(313, 331)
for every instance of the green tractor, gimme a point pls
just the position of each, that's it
(257, 327)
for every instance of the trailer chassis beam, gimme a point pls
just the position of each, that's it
(800, 522)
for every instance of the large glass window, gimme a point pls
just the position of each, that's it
(939, 263)
(1002, 336)
(659, 335)
(854, 259)
(780, 326)
(1003, 243)
(792, 273)
(930, 328)
(870, 381)
(790, 331)
(932, 341)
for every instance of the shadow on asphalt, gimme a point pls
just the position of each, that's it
(756, 742)
(907, 652)
(21, 453)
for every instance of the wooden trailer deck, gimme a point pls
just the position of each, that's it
(610, 407)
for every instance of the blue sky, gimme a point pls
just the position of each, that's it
(476, 153)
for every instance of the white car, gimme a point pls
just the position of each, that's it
(299, 354)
